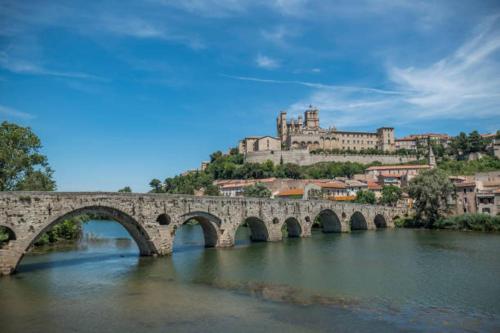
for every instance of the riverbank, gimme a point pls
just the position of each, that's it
(465, 222)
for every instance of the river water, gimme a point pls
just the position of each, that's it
(367, 281)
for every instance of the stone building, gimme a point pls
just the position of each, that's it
(259, 143)
(408, 171)
(306, 133)
(413, 141)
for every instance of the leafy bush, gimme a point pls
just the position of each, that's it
(365, 197)
(66, 230)
(407, 222)
(484, 164)
(258, 190)
(477, 222)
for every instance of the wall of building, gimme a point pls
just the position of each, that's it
(303, 157)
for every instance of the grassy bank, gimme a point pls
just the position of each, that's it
(474, 222)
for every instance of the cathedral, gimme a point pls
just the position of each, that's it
(305, 133)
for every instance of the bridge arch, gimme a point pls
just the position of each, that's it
(258, 229)
(380, 221)
(358, 221)
(210, 224)
(329, 220)
(292, 227)
(133, 227)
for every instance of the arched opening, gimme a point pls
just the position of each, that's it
(276, 220)
(252, 228)
(328, 221)
(86, 235)
(197, 229)
(291, 227)
(380, 221)
(163, 219)
(358, 222)
(6, 235)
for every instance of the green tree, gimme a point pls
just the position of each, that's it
(476, 142)
(288, 170)
(459, 145)
(22, 166)
(258, 190)
(430, 191)
(215, 156)
(212, 190)
(391, 195)
(126, 189)
(156, 186)
(365, 197)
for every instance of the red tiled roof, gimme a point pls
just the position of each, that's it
(331, 184)
(374, 186)
(389, 175)
(465, 184)
(398, 167)
(292, 191)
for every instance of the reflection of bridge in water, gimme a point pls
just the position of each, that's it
(151, 219)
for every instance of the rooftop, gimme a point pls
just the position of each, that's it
(398, 167)
(290, 192)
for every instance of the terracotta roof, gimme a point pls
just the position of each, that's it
(374, 186)
(345, 198)
(331, 184)
(398, 167)
(466, 184)
(354, 183)
(491, 183)
(292, 191)
(389, 175)
(233, 183)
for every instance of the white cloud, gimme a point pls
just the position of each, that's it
(13, 113)
(25, 67)
(466, 81)
(463, 85)
(266, 62)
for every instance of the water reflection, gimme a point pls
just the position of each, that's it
(387, 281)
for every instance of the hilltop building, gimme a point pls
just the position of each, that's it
(306, 133)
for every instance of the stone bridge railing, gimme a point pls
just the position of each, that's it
(152, 219)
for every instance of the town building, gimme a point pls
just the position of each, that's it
(256, 143)
(413, 141)
(305, 133)
(395, 171)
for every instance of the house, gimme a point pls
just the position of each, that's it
(391, 172)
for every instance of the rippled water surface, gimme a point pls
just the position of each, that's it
(384, 281)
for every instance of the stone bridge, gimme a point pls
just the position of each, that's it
(152, 219)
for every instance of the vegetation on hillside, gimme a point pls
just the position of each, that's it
(484, 164)
(232, 166)
(365, 197)
(258, 190)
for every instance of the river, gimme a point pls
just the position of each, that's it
(368, 281)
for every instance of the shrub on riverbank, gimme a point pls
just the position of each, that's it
(476, 222)
(67, 230)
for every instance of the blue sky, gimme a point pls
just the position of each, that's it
(121, 92)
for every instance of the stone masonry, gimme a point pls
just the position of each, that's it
(152, 219)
